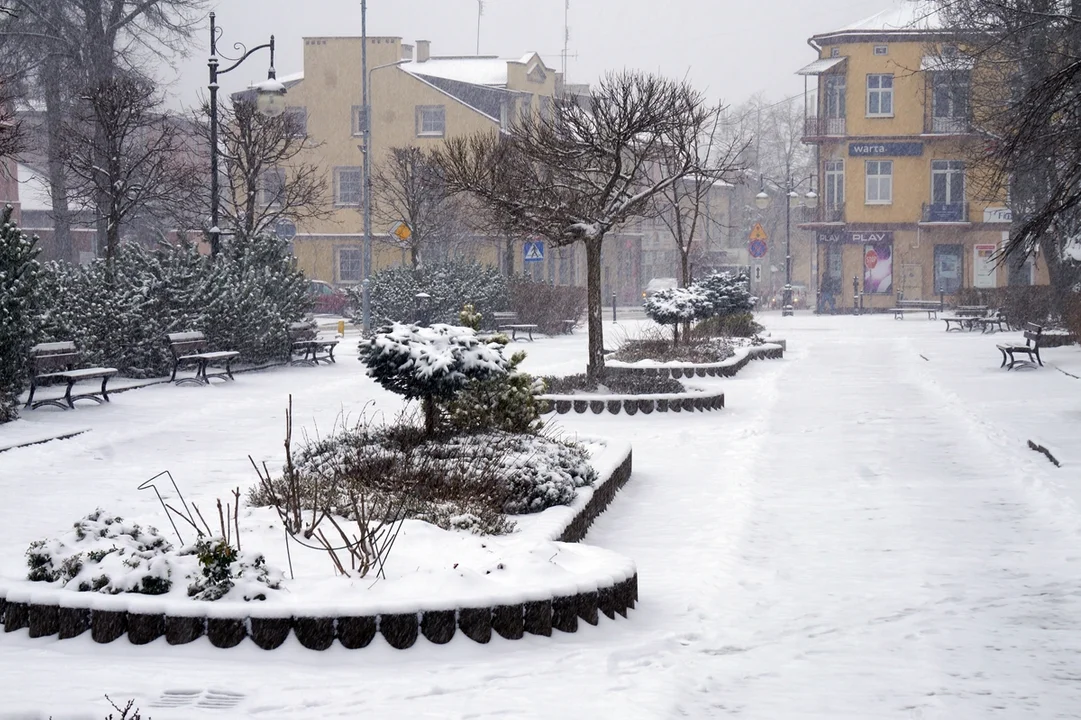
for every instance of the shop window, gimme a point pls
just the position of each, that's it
(948, 269)
(878, 268)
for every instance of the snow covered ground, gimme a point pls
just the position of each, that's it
(862, 533)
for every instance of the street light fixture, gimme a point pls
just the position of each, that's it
(269, 101)
(809, 200)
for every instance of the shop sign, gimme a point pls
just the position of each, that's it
(869, 237)
(997, 215)
(885, 149)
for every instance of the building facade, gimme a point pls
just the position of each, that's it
(901, 211)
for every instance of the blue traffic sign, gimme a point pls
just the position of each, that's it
(285, 229)
(533, 251)
(757, 248)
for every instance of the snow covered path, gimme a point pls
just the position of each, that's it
(861, 534)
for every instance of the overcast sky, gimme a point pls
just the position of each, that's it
(731, 49)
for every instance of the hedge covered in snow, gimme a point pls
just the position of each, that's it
(19, 278)
(717, 295)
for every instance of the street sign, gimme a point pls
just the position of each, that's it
(758, 232)
(757, 248)
(758, 273)
(285, 229)
(870, 259)
(401, 231)
(533, 251)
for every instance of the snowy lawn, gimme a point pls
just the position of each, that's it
(862, 533)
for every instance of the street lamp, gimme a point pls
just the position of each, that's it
(809, 200)
(269, 101)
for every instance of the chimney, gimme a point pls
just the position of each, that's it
(407, 52)
(424, 50)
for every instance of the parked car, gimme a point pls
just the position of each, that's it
(657, 284)
(326, 299)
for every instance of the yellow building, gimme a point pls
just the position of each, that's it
(416, 100)
(901, 214)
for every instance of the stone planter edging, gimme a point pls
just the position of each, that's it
(769, 351)
(632, 404)
(66, 614)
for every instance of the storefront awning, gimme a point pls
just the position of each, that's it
(821, 66)
(943, 63)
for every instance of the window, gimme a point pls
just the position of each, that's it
(947, 191)
(948, 268)
(272, 187)
(880, 95)
(879, 182)
(835, 52)
(949, 101)
(350, 265)
(835, 186)
(526, 106)
(431, 121)
(358, 120)
(545, 107)
(348, 185)
(835, 96)
(296, 121)
(882, 50)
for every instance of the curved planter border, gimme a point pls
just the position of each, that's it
(769, 351)
(633, 404)
(61, 614)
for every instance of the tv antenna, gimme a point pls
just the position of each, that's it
(480, 11)
(566, 35)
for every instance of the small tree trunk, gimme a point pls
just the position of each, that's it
(429, 415)
(414, 256)
(63, 247)
(595, 308)
(675, 334)
(508, 256)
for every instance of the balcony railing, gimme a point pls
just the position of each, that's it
(947, 125)
(945, 212)
(821, 215)
(824, 127)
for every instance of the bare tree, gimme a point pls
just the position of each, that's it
(265, 178)
(67, 45)
(149, 167)
(409, 187)
(1025, 92)
(576, 174)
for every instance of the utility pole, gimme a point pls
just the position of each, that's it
(367, 193)
(566, 35)
(480, 11)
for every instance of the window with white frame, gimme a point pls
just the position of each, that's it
(879, 182)
(272, 187)
(358, 120)
(431, 121)
(296, 121)
(835, 184)
(545, 107)
(350, 264)
(947, 182)
(348, 185)
(880, 95)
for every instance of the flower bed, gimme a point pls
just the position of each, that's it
(526, 582)
(727, 368)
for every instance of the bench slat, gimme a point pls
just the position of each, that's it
(188, 336)
(53, 348)
(85, 373)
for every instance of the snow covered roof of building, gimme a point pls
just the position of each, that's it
(480, 70)
(906, 17)
(33, 189)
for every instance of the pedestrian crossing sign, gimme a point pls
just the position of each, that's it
(533, 251)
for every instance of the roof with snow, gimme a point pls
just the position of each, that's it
(476, 70)
(906, 17)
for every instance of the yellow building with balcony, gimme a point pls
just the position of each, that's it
(416, 99)
(901, 213)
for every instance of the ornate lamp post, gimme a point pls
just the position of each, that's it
(809, 200)
(269, 100)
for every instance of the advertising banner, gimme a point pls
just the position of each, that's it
(983, 266)
(878, 268)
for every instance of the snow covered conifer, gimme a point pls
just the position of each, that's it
(19, 276)
(727, 294)
(431, 364)
(673, 306)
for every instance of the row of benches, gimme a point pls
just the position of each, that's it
(57, 361)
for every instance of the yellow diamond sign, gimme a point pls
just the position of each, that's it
(401, 231)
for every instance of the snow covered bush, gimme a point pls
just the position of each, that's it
(432, 364)
(673, 306)
(104, 553)
(469, 317)
(727, 294)
(506, 402)
(244, 300)
(449, 285)
(19, 278)
(613, 384)
(540, 472)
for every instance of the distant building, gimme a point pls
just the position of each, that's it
(890, 113)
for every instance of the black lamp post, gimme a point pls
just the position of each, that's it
(268, 99)
(809, 200)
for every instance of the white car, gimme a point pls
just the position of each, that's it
(657, 284)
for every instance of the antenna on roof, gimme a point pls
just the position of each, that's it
(566, 35)
(480, 11)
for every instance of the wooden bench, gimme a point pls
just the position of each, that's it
(899, 312)
(305, 341)
(975, 311)
(508, 321)
(992, 322)
(962, 323)
(190, 348)
(1031, 348)
(57, 361)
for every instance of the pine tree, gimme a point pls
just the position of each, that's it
(19, 277)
